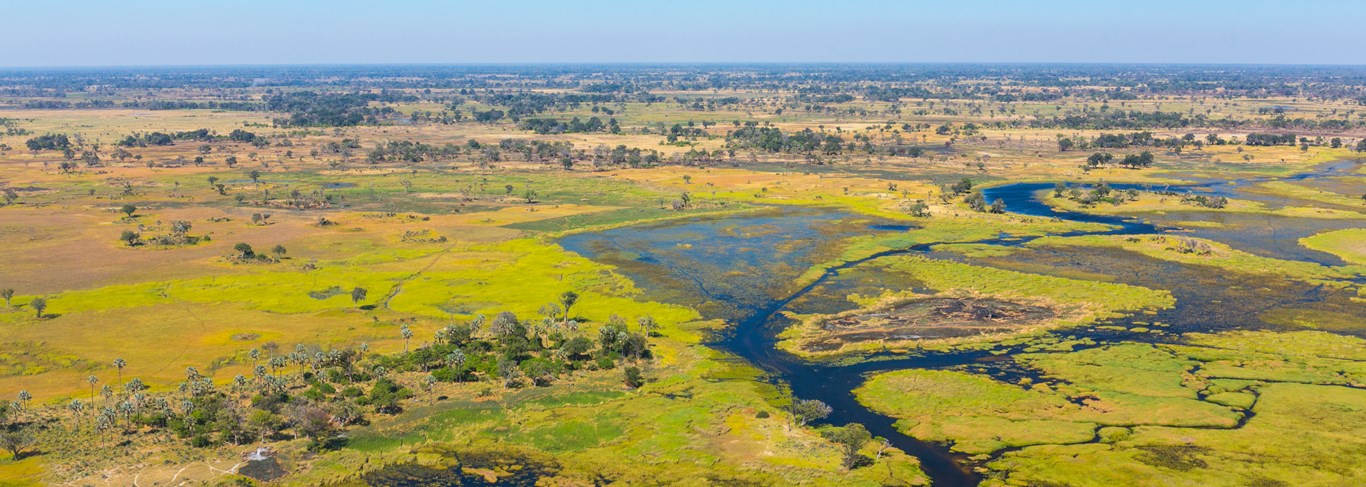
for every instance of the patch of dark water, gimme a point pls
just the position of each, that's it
(1208, 299)
(470, 470)
(891, 227)
(745, 270)
(261, 465)
(1265, 235)
(732, 263)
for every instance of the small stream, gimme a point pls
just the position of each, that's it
(736, 267)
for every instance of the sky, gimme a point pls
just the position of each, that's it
(51, 33)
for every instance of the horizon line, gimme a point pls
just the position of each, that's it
(678, 63)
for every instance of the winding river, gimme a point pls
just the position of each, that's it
(736, 266)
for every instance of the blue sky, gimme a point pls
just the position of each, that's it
(163, 32)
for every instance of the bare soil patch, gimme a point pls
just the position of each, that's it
(929, 318)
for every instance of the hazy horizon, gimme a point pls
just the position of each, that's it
(673, 63)
(160, 33)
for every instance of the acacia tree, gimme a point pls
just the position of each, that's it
(128, 209)
(358, 295)
(16, 440)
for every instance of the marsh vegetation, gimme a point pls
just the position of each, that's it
(774, 274)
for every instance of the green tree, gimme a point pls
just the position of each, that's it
(567, 301)
(807, 410)
(539, 370)
(17, 440)
(919, 209)
(976, 201)
(962, 186)
(130, 237)
(8, 294)
(128, 209)
(244, 250)
(312, 422)
(634, 379)
(851, 439)
(75, 406)
(39, 306)
(358, 295)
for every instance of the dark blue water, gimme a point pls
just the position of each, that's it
(1266, 235)
(739, 269)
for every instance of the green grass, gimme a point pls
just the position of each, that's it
(1160, 414)
(1219, 255)
(1348, 244)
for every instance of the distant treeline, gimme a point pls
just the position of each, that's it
(885, 82)
(551, 126)
(140, 139)
(315, 109)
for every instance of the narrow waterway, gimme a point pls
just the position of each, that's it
(736, 267)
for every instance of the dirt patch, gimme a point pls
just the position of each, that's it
(929, 318)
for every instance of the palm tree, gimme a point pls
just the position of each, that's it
(104, 423)
(118, 362)
(407, 333)
(567, 300)
(92, 380)
(76, 406)
(25, 397)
